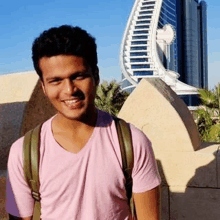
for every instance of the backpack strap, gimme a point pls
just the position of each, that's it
(31, 154)
(126, 147)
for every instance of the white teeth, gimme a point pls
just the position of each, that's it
(71, 101)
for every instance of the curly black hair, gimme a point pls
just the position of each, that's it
(64, 40)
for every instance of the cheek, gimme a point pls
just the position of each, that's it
(87, 87)
(52, 93)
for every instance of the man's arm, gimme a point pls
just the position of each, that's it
(11, 217)
(19, 200)
(147, 204)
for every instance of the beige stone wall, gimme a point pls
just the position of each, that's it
(17, 87)
(37, 110)
(189, 168)
(22, 107)
(15, 92)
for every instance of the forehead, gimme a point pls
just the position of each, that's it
(62, 64)
(62, 61)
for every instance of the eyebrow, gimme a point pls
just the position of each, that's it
(53, 78)
(83, 71)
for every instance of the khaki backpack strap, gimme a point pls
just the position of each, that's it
(125, 141)
(31, 154)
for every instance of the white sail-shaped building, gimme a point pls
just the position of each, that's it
(158, 42)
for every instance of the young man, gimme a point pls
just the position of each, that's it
(80, 160)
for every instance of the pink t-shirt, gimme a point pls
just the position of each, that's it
(88, 185)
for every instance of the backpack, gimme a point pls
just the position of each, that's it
(31, 153)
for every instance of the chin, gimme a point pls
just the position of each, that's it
(77, 116)
(71, 116)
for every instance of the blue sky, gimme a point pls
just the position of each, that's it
(22, 21)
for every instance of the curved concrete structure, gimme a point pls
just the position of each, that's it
(189, 169)
(17, 87)
(15, 92)
(37, 110)
(162, 115)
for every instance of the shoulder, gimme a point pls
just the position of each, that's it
(142, 147)
(139, 139)
(145, 172)
(141, 143)
(138, 136)
(15, 152)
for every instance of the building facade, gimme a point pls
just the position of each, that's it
(167, 39)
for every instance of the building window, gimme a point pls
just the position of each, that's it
(140, 37)
(143, 22)
(146, 12)
(148, 3)
(191, 100)
(143, 73)
(169, 7)
(167, 14)
(129, 90)
(141, 32)
(139, 48)
(142, 27)
(170, 4)
(137, 60)
(160, 26)
(138, 42)
(125, 83)
(134, 54)
(148, 7)
(144, 17)
(161, 20)
(140, 66)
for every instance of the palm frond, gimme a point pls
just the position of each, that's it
(109, 97)
(208, 98)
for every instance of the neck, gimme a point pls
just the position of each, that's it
(65, 124)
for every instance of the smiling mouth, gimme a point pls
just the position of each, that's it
(73, 103)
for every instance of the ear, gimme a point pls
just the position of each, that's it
(96, 76)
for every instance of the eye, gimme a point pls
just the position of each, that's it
(79, 76)
(55, 81)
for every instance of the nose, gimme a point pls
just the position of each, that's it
(69, 87)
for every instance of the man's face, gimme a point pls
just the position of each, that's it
(70, 85)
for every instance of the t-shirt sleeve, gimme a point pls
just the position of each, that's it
(145, 172)
(19, 201)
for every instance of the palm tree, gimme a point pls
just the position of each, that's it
(110, 97)
(207, 116)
